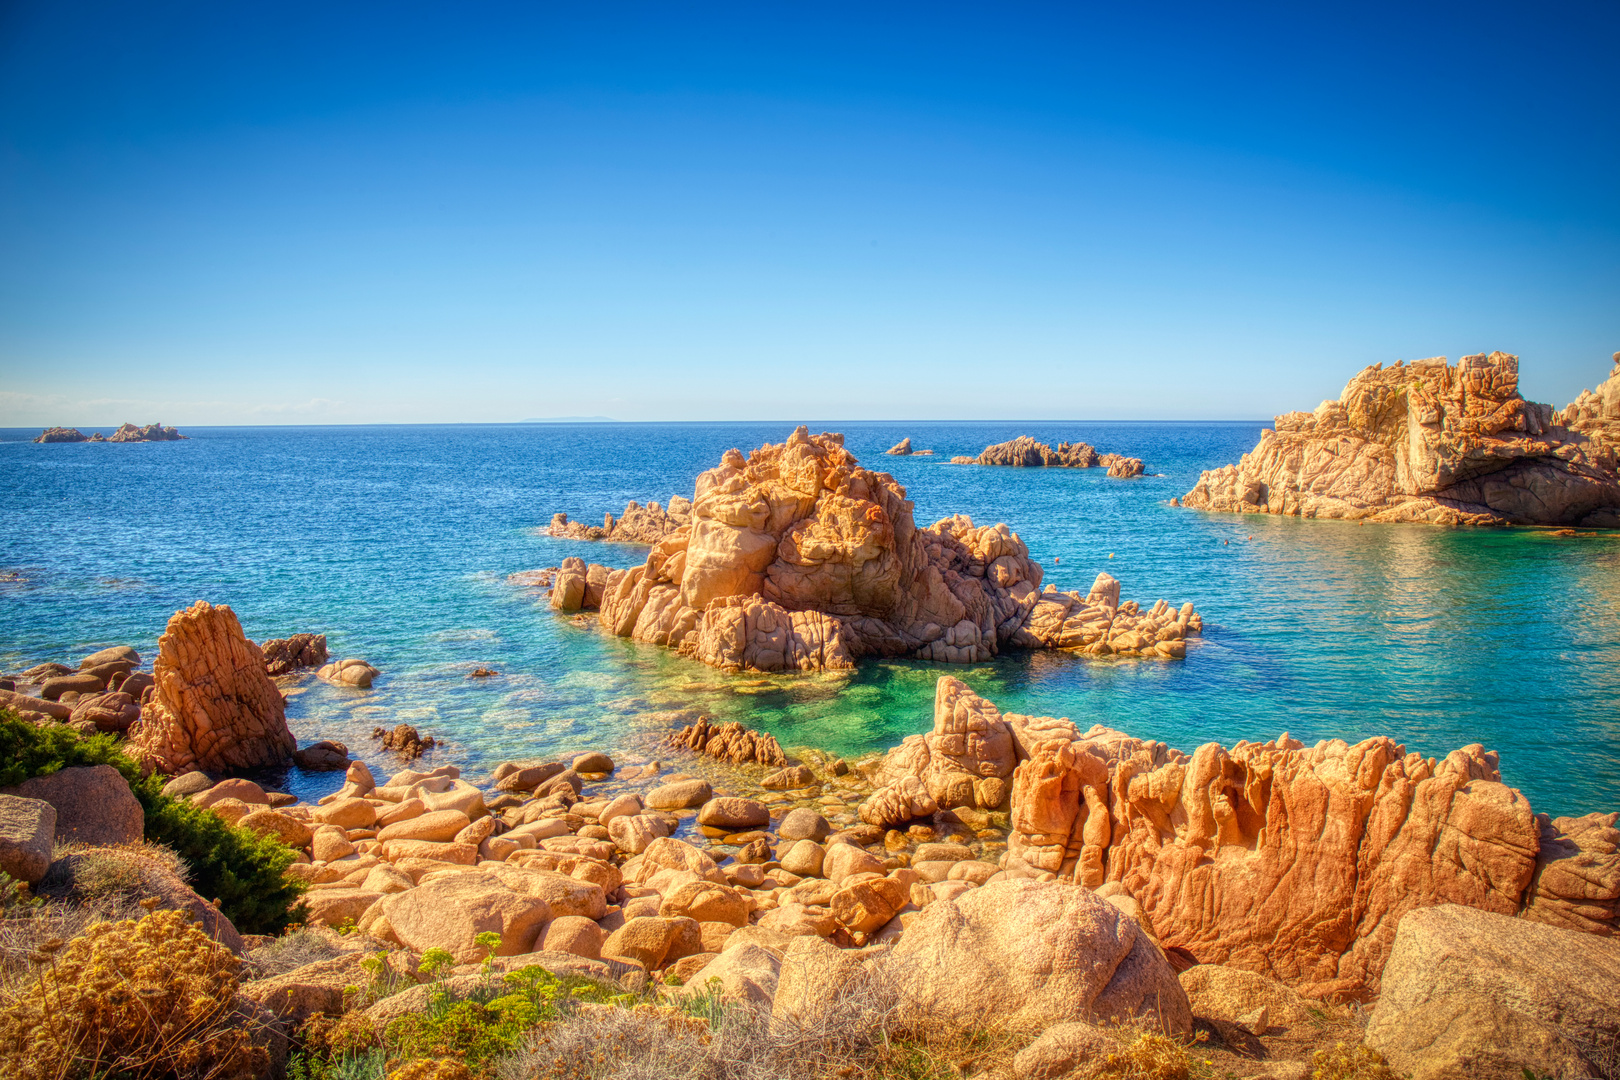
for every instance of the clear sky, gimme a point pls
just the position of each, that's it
(226, 213)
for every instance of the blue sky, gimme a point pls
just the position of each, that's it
(347, 213)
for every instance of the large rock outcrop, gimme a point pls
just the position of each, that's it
(149, 433)
(796, 558)
(213, 707)
(1428, 442)
(1294, 862)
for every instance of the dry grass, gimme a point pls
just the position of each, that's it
(290, 951)
(141, 998)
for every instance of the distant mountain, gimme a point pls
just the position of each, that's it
(569, 420)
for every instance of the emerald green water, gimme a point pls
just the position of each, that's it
(397, 542)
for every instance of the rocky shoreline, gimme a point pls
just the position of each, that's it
(1433, 443)
(1063, 881)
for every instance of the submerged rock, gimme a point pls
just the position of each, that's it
(1428, 442)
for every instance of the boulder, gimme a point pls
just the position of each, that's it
(1216, 992)
(282, 656)
(843, 860)
(574, 934)
(440, 826)
(450, 912)
(565, 895)
(814, 981)
(593, 763)
(78, 683)
(191, 783)
(352, 813)
(334, 907)
(350, 672)
(802, 823)
(313, 989)
(117, 654)
(864, 906)
(804, 858)
(632, 833)
(212, 706)
(734, 814)
(746, 974)
(289, 830)
(1061, 1051)
(680, 795)
(512, 777)
(322, 756)
(84, 875)
(1478, 995)
(645, 941)
(707, 902)
(794, 776)
(93, 804)
(1035, 953)
(27, 835)
(235, 788)
(115, 711)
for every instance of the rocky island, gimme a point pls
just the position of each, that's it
(125, 433)
(1025, 452)
(1426, 441)
(796, 558)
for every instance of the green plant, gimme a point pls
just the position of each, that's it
(15, 898)
(434, 961)
(239, 868)
(141, 998)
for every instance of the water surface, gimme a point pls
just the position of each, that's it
(396, 543)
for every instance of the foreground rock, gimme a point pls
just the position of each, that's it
(213, 707)
(1294, 862)
(27, 833)
(1428, 442)
(1033, 954)
(798, 559)
(93, 804)
(1470, 995)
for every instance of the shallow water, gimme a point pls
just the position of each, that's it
(396, 543)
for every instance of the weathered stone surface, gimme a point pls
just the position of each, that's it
(864, 906)
(899, 802)
(707, 902)
(1225, 993)
(1061, 1051)
(323, 755)
(638, 524)
(798, 559)
(843, 860)
(27, 834)
(1428, 442)
(1472, 995)
(1034, 954)
(349, 672)
(574, 934)
(970, 742)
(1577, 877)
(733, 814)
(289, 830)
(334, 907)
(144, 876)
(212, 707)
(439, 825)
(814, 980)
(115, 711)
(794, 776)
(802, 823)
(730, 742)
(680, 795)
(450, 912)
(594, 762)
(564, 894)
(351, 813)
(645, 940)
(312, 989)
(746, 974)
(93, 804)
(282, 656)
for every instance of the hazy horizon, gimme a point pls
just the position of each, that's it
(217, 216)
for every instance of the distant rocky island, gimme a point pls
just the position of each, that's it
(1428, 442)
(1025, 452)
(796, 558)
(125, 433)
(903, 449)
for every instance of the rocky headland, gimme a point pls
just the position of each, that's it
(796, 558)
(125, 433)
(1426, 441)
(1025, 452)
(997, 873)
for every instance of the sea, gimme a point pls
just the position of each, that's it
(397, 543)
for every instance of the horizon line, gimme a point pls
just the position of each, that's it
(623, 423)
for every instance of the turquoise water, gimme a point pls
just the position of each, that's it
(396, 543)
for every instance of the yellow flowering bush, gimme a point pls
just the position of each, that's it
(149, 999)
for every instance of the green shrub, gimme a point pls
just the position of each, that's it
(239, 868)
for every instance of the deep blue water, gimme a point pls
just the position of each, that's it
(396, 542)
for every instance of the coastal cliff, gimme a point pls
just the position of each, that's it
(1429, 442)
(797, 558)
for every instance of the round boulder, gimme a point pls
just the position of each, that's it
(734, 813)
